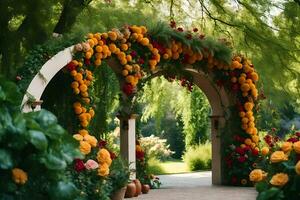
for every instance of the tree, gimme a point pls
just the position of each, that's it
(266, 31)
(25, 24)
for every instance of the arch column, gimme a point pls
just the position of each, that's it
(127, 142)
(219, 101)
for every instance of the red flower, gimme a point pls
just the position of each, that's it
(247, 148)
(102, 143)
(141, 61)
(128, 89)
(242, 159)
(87, 61)
(112, 155)
(71, 66)
(240, 151)
(292, 140)
(297, 134)
(133, 54)
(79, 165)
(255, 152)
(140, 155)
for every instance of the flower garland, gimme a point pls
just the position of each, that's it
(139, 52)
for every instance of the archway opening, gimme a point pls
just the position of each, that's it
(208, 60)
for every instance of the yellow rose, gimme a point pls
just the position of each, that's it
(256, 175)
(265, 151)
(19, 176)
(297, 167)
(91, 140)
(103, 156)
(85, 147)
(103, 170)
(297, 147)
(279, 179)
(278, 156)
(286, 147)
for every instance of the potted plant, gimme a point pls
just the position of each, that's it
(119, 177)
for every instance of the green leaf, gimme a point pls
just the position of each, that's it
(53, 161)
(12, 94)
(64, 191)
(5, 159)
(70, 151)
(31, 123)
(271, 194)
(38, 139)
(45, 118)
(55, 132)
(2, 94)
(261, 186)
(19, 124)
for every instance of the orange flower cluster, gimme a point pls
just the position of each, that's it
(104, 159)
(177, 48)
(86, 141)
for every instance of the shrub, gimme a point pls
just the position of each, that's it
(155, 147)
(154, 167)
(277, 176)
(34, 152)
(198, 157)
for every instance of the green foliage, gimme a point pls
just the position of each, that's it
(198, 157)
(35, 143)
(161, 97)
(155, 167)
(119, 174)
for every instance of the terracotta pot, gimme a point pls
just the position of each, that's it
(145, 188)
(138, 187)
(119, 195)
(130, 190)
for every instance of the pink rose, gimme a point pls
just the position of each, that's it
(91, 164)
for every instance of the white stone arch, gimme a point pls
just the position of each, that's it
(218, 99)
(44, 76)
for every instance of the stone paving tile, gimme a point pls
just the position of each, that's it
(196, 186)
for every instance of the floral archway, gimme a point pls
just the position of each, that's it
(136, 54)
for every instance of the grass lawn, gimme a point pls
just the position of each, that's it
(174, 166)
(168, 167)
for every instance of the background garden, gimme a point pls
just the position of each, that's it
(174, 127)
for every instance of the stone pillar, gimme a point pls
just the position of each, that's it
(127, 142)
(216, 124)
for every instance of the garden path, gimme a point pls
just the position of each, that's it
(196, 186)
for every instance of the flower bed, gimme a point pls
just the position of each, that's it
(278, 175)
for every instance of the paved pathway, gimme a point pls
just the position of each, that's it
(196, 186)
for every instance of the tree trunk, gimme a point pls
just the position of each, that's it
(71, 9)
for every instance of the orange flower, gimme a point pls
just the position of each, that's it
(19, 176)
(279, 179)
(286, 147)
(265, 151)
(278, 156)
